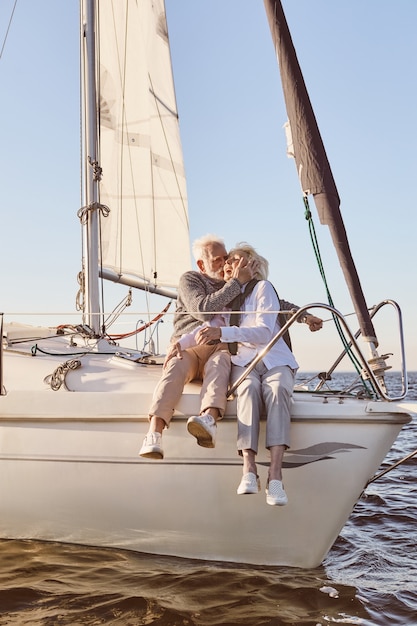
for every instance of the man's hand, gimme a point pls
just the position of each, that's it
(173, 351)
(245, 270)
(207, 334)
(314, 323)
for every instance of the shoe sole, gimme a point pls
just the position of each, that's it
(276, 500)
(274, 503)
(152, 454)
(204, 439)
(247, 492)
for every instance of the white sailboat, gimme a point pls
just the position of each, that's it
(74, 400)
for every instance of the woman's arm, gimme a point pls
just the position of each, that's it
(258, 320)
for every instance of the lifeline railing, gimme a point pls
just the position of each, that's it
(373, 312)
(377, 386)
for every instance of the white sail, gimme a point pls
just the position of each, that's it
(140, 153)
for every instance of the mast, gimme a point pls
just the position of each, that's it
(91, 169)
(313, 167)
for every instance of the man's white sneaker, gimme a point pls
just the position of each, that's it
(203, 428)
(275, 494)
(152, 446)
(250, 483)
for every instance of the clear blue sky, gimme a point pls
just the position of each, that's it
(359, 64)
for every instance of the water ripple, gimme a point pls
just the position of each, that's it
(369, 576)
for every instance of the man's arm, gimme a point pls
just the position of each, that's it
(199, 297)
(199, 294)
(314, 323)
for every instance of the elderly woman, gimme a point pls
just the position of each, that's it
(269, 385)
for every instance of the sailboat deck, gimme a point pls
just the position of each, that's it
(108, 383)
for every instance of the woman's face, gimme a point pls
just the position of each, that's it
(231, 263)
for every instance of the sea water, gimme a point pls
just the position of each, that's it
(369, 576)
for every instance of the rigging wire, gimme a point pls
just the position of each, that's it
(7, 30)
(144, 326)
(316, 248)
(118, 310)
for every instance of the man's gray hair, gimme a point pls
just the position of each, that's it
(200, 244)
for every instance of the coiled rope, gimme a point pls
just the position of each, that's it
(57, 378)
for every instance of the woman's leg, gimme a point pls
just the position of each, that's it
(249, 408)
(277, 389)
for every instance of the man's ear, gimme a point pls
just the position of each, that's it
(200, 265)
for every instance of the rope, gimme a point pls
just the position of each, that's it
(97, 170)
(118, 310)
(80, 297)
(144, 327)
(57, 378)
(308, 216)
(82, 213)
(390, 468)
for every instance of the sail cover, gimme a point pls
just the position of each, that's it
(146, 234)
(311, 160)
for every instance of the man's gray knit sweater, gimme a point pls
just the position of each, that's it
(201, 297)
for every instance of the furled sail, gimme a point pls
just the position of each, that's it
(143, 178)
(311, 160)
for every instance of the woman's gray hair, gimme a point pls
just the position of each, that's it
(200, 244)
(250, 252)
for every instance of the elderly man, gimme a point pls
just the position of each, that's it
(201, 294)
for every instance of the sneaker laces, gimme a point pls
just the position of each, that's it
(153, 438)
(208, 419)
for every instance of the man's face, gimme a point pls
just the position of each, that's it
(213, 263)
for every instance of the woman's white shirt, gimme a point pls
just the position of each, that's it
(258, 325)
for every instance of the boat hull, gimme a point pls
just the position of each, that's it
(71, 473)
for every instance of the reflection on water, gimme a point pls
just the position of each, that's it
(61, 584)
(368, 578)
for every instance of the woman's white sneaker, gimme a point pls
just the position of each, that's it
(275, 494)
(250, 483)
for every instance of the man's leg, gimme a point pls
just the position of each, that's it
(165, 398)
(215, 375)
(171, 385)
